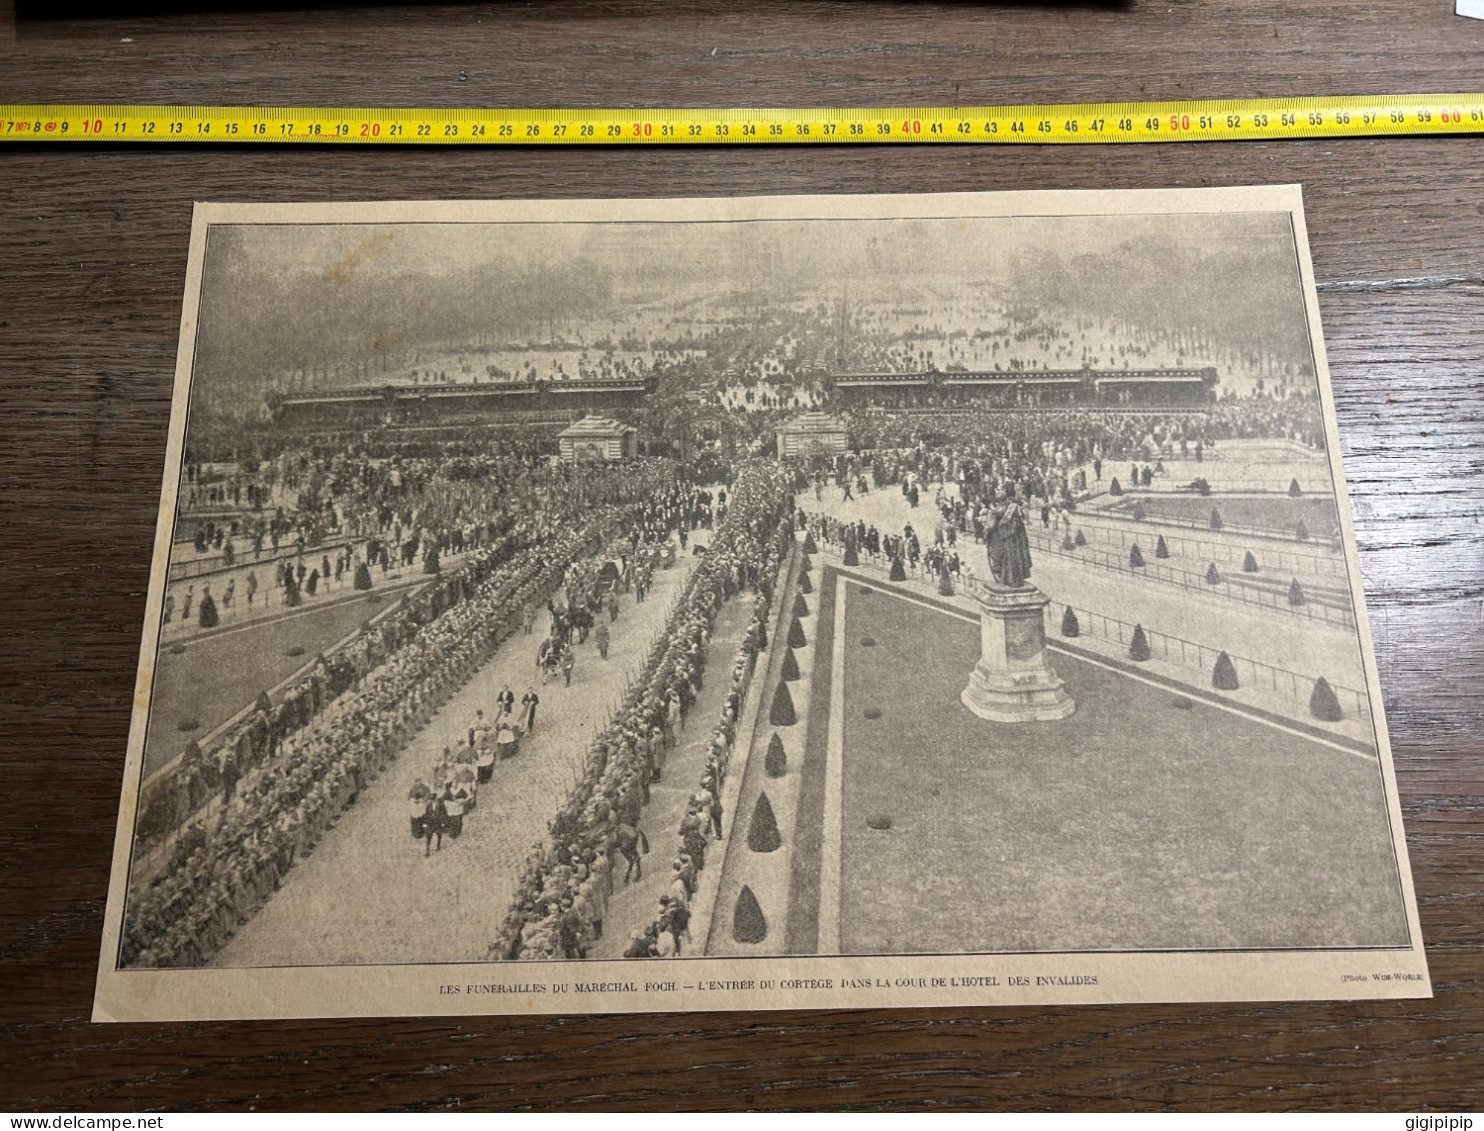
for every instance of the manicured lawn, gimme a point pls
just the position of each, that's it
(1130, 825)
(216, 676)
(1277, 512)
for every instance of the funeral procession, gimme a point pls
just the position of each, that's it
(805, 588)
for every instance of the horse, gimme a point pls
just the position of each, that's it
(629, 839)
(582, 620)
(548, 659)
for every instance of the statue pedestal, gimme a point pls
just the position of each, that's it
(1013, 682)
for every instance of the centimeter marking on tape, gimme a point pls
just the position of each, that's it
(1239, 119)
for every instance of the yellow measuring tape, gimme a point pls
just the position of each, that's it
(1236, 119)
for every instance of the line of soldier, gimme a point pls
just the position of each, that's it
(224, 875)
(201, 776)
(564, 888)
(669, 931)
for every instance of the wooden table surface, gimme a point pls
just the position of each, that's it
(92, 260)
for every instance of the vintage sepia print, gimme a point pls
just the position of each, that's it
(754, 603)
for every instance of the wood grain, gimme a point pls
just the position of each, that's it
(92, 256)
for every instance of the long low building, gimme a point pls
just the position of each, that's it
(427, 404)
(1091, 387)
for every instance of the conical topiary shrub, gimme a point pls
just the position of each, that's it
(801, 606)
(749, 925)
(1296, 593)
(782, 713)
(1135, 556)
(852, 555)
(775, 761)
(1080, 539)
(1301, 532)
(1249, 563)
(805, 564)
(1213, 575)
(1115, 487)
(363, 576)
(1160, 549)
(796, 637)
(898, 573)
(810, 546)
(790, 666)
(1216, 523)
(1323, 703)
(1067, 544)
(209, 618)
(805, 585)
(762, 833)
(1138, 647)
(1294, 490)
(1224, 674)
(264, 703)
(1069, 625)
(1138, 512)
(945, 583)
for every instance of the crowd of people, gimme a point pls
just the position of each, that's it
(394, 512)
(1294, 417)
(235, 812)
(1077, 435)
(286, 772)
(437, 810)
(201, 775)
(940, 560)
(1048, 459)
(669, 931)
(562, 893)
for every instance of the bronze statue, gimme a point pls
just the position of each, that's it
(1008, 546)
